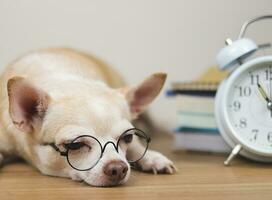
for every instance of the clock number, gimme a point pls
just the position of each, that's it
(247, 91)
(236, 106)
(244, 91)
(268, 73)
(254, 79)
(255, 134)
(243, 123)
(269, 137)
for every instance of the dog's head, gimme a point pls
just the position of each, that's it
(66, 112)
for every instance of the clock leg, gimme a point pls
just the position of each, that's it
(233, 153)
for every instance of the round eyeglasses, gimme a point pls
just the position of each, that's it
(85, 151)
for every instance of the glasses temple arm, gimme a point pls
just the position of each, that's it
(57, 149)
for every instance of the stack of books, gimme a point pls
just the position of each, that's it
(196, 126)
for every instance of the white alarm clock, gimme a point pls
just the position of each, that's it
(243, 104)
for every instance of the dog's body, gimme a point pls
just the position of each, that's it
(55, 95)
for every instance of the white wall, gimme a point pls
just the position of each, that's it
(137, 37)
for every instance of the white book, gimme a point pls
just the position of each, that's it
(199, 104)
(196, 120)
(200, 142)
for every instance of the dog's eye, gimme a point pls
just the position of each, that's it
(127, 138)
(74, 145)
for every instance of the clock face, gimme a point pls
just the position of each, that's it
(248, 112)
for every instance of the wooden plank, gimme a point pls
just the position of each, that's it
(200, 176)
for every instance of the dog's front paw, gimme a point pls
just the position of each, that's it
(157, 163)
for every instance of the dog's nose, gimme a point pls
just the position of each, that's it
(116, 170)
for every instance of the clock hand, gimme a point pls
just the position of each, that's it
(270, 91)
(263, 93)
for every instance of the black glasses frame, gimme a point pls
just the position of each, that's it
(66, 152)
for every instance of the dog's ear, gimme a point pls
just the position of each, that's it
(140, 96)
(27, 104)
